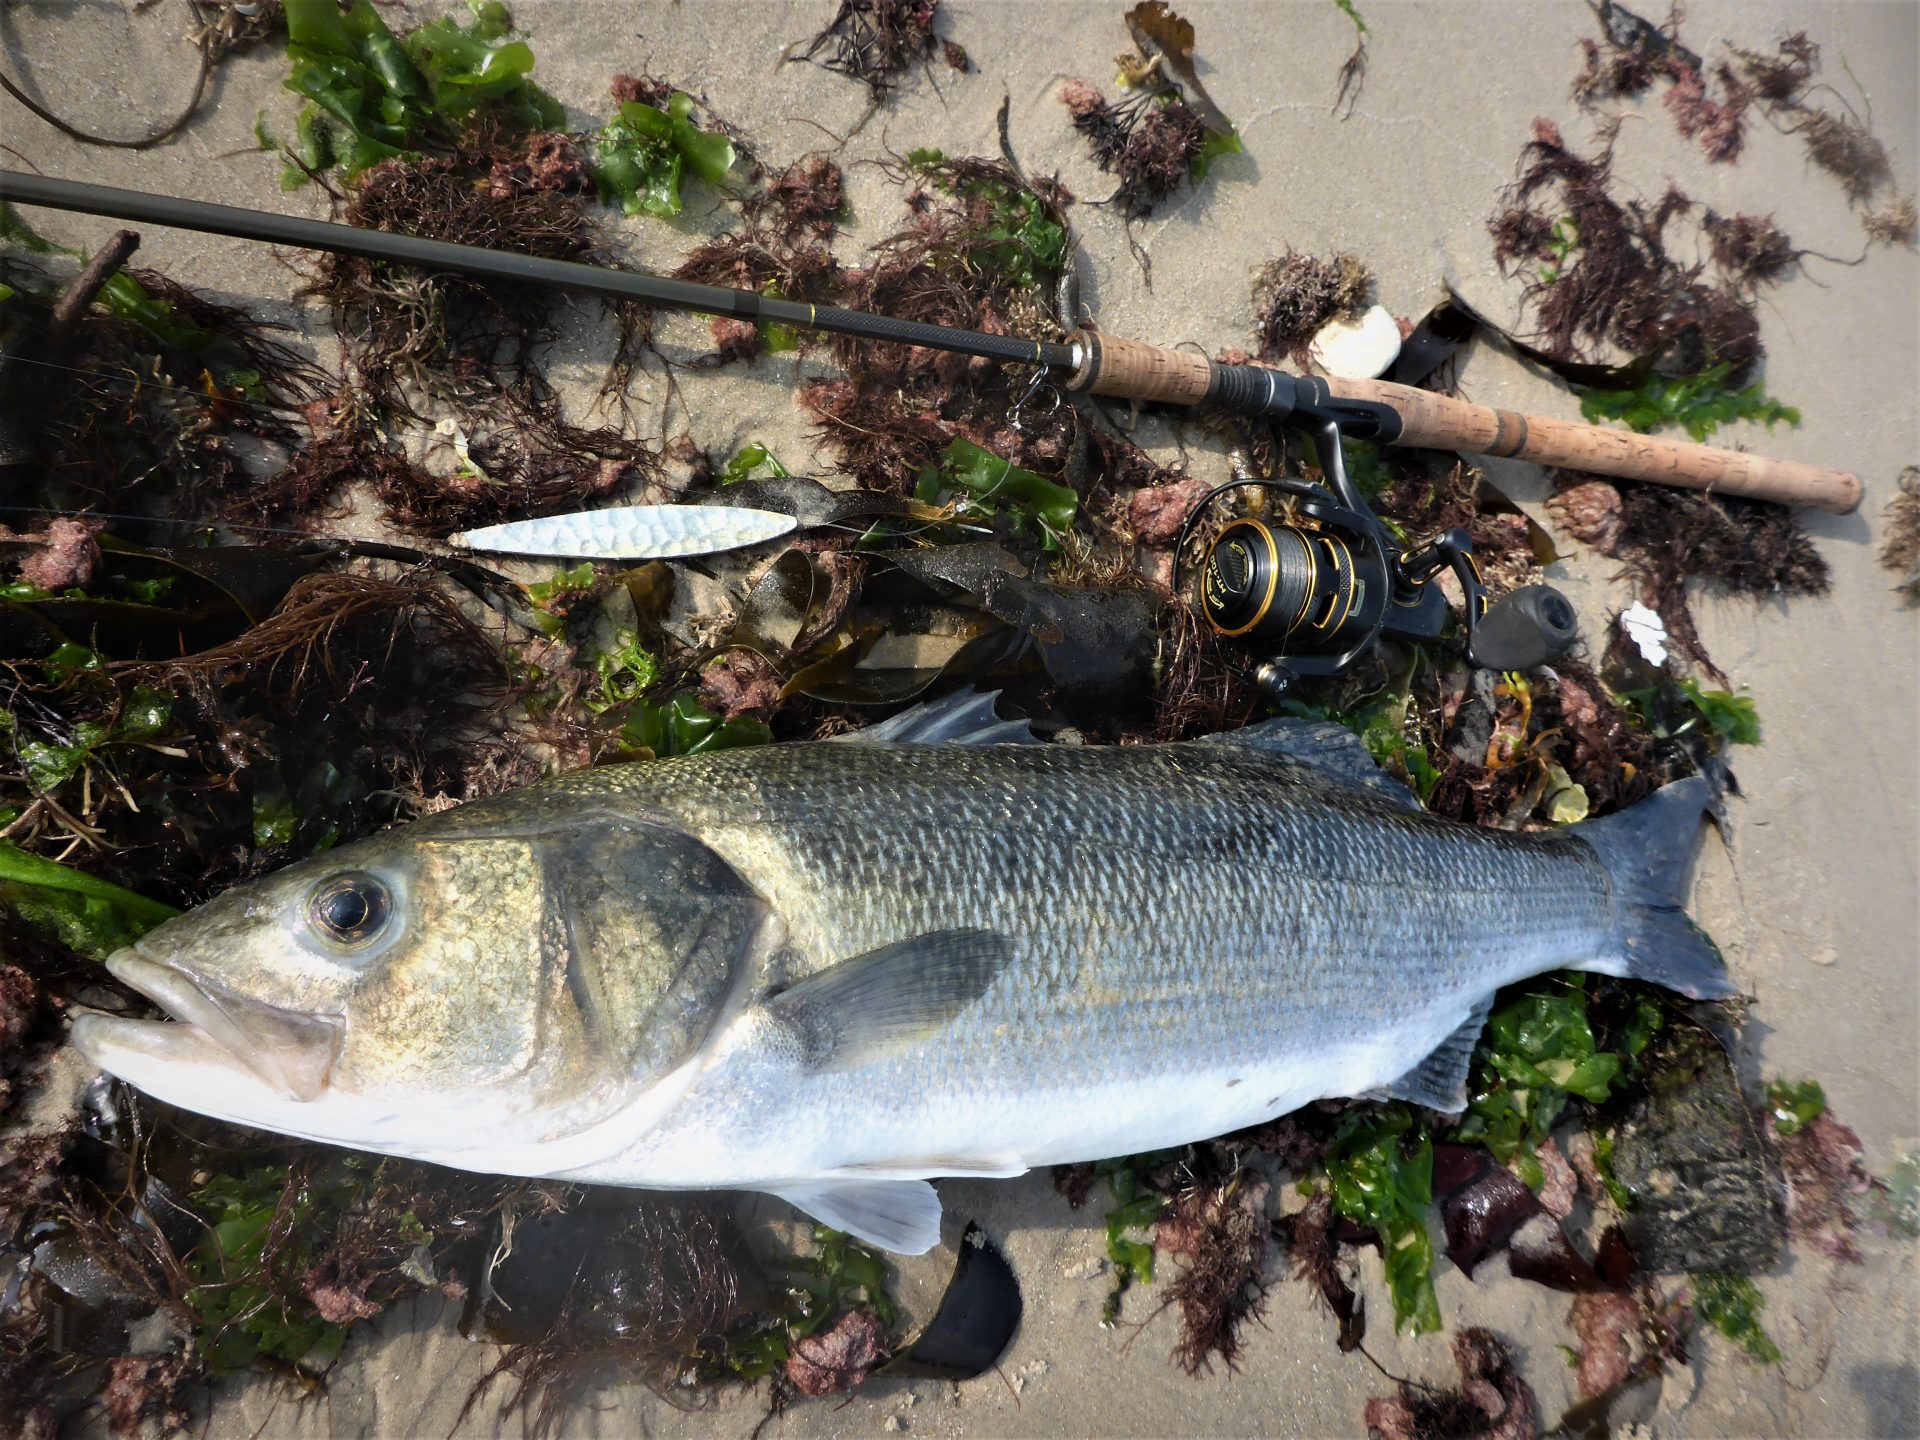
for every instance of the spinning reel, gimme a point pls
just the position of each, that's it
(1316, 588)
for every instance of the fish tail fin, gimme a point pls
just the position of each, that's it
(1645, 850)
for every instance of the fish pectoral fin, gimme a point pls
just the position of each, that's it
(1440, 1081)
(1332, 749)
(902, 1216)
(880, 1003)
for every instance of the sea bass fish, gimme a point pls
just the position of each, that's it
(835, 970)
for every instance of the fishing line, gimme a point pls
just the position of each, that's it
(125, 378)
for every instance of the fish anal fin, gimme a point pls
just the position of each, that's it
(1439, 1082)
(917, 1167)
(1332, 749)
(901, 1216)
(881, 1003)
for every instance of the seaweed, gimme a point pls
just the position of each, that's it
(1668, 539)
(1222, 1233)
(1732, 1305)
(1700, 402)
(373, 97)
(1900, 546)
(1493, 1399)
(875, 42)
(1379, 1168)
(642, 154)
(1296, 296)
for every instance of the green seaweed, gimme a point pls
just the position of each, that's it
(1702, 402)
(626, 670)
(1794, 1105)
(372, 96)
(750, 460)
(1018, 239)
(1734, 718)
(85, 913)
(970, 477)
(1539, 1050)
(1732, 1304)
(1380, 1169)
(841, 1276)
(246, 1298)
(683, 726)
(1135, 1208)
(640, 157)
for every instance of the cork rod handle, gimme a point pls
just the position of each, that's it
(1134, 370)
(1443, 423)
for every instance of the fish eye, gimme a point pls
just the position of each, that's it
(350, 909)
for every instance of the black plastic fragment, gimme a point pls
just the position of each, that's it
(976, 1319)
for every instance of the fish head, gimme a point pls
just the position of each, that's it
(442, 985)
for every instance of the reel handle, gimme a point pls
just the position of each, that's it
(1529, 627)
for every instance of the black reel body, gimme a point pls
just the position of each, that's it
(1315, 587)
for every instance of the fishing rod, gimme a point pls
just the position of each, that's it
(1093, 363)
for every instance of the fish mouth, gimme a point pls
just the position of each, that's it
(291, 1050)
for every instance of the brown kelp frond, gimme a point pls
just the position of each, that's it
(1222, 1234)
(875, 42)
(1295, 296)
(1900, 550)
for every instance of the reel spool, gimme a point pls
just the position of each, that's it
(1315, 589)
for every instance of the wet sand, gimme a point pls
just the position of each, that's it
(1814, 901)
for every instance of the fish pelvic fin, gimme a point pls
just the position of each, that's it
(901, 1216)
(1439, 1082)
(1645, 850)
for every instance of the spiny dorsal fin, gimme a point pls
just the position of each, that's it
(878, 1004)
(1440, 1081)
(965, 717)
(902, 1216)
(1330, 748)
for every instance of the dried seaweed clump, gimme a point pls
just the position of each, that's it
(1667, 538)
(875, 41)
(1900, 550)
(145, 386)
(1750, 250)
(777, 252)
(1149, 141)
(1601, 271)
(1838, 141)
(461, 357)
(980, 251)
(1222, 1234)
(1295, 296)
(1633, 53)
(1493, 1399)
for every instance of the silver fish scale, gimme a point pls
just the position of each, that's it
(1162, 901)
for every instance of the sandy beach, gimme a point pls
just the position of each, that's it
(1814, 898)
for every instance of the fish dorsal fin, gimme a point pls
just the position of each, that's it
(1330, 748)
(1439, 1082)
(965, 717)
(880, 1003)
(902, 1216)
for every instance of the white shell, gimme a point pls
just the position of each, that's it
(631, 532)
(1647, 631)
(1360, 349)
